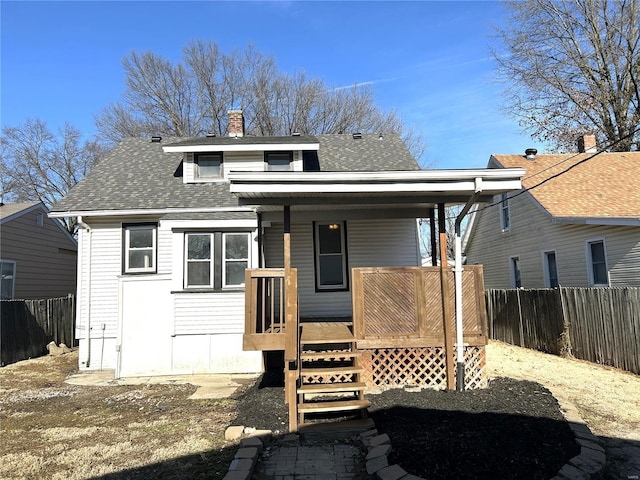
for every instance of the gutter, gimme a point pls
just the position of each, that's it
(458, 285)
(88, 229)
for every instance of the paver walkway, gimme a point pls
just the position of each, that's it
(292, 459)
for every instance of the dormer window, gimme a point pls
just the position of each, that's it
(208, 165)
(278, 161)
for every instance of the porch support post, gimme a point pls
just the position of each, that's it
(434, 242)
(442, 228)
(447, 314)
(458, 279)
(287, 238)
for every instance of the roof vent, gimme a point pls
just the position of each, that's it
(530, 153)
(210, 134)
(357, 136)
(380, 137)
(295, 134)
(156, 139)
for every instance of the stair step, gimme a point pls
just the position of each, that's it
(318, 334)
(310, 355)
(306, 372)
(331, 387)
(333, 406)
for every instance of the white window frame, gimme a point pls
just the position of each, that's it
(343, 245)
(225, 259)
(512, 271)
(545, 268)
(505, 208)
(589, 261)
(154, 248)
(13, 278)
(211, 260)
(196, 164)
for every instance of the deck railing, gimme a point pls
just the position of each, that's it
(271, 310)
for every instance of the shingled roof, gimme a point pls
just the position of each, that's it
(139, 175)
(605, 186)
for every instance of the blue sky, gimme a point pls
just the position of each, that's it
(430, 61)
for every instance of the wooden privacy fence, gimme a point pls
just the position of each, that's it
(601, 325)
(27, 326)
(404, 325)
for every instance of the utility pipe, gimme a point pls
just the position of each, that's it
(457, 271)
(80, 268)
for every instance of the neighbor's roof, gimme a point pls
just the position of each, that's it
(603, 186)
(139, 175)
(16, 209)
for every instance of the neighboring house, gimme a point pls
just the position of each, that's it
(580, 227)
(37, 254)
(169, 227)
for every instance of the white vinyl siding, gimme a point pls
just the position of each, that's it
(532, 233)
(370, 243)
(102, 273)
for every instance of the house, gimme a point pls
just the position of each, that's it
(199, 254)
(37, 254)
(575, 223)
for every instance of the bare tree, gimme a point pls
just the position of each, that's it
(40, 166)
(192, 98)
(573, 67)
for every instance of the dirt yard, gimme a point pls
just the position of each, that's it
(52, 430)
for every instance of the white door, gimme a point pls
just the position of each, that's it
(146, 328)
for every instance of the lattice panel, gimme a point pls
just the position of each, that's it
(342, 378)
(423, 366)
(475, 375)
(389, 305)
(404, 366)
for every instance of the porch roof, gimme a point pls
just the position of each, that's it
(418, 188)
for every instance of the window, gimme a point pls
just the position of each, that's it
(278, 161)
(514, 264)
(330, 256)
(8, 279)
(208, 165)
(140, 248)
(199, 260)
(216, 260)
(550, 270)
(505, 215)
(235, 259)
(597, 263)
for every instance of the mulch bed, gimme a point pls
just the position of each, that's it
(512, 429)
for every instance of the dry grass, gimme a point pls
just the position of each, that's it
(51, 430)
(608, 399)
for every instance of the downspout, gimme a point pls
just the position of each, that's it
(88, 229)
(458, 282)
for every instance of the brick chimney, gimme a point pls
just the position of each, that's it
(236, 123)
(587, 144)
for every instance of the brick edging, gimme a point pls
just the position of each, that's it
(251, 446)
(591, 460)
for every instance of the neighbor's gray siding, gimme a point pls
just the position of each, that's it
(45, 256)
(370, 243)
(532, 233)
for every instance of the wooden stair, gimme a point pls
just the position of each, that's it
(330, 392)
